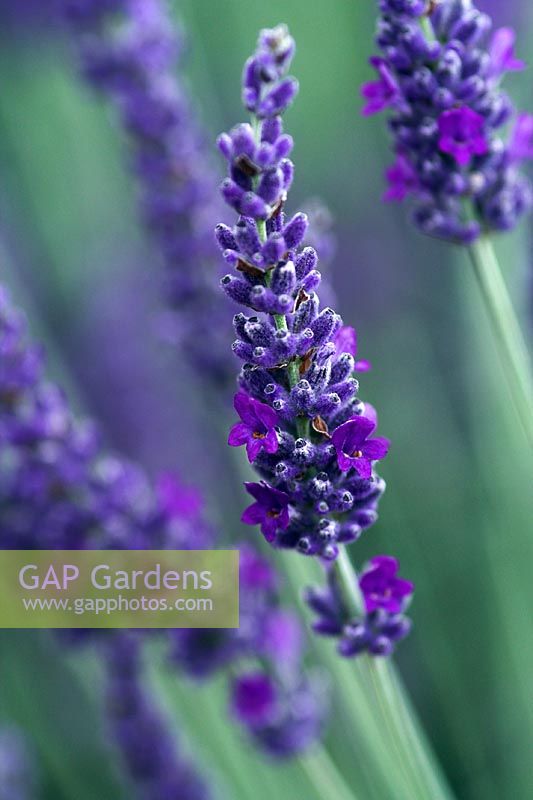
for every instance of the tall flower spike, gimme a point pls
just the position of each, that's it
(298, 368)
(439, 77)
(129, 51)
(318, 488)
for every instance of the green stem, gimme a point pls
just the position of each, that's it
(324, 776)
(514, 356)
(414, 758)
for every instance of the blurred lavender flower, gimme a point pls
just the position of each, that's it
(59, 488)
(17, 768)
(439, 76)
(319, 489)
(129, 50)
(383, 624)
(281, 706)
(149, 749)
(283, 722)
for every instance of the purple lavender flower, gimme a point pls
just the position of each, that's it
(254, 698)
(297, 358)
(257, 429)
(149, 750)
(270, 509)
(402, 180)
(521, 144)
(446, 113)
(345, 341)
(381, 586)
(318, 489)
(354, 447)
(502, 55)
(382, 93)
(382, 623)
(461, 134)
(283, 724)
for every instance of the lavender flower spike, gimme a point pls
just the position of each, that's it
(294, 362)
(318, 488)
(439, 76)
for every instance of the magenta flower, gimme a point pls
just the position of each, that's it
(257, 426)
(381, 586)
(502, 55)
(270, 509)
(462, 135)
(345, 341)
(355, 448)
(253, 698)
(379, 94)
(402, 180)
(521, 144)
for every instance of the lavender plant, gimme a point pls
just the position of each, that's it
(459, 144)
(307, 434)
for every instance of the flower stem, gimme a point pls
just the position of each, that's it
(325, 777)
(514, 356)
(412, 751)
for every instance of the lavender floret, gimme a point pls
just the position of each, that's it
(439, 76)
(383, 622)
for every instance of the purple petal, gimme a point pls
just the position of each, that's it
(270, 442)
(253, 515)
(265, 414)
(244, 406)
(345, 341)
(363, 467)
(376, 449)
(253, 448)
(238, 435)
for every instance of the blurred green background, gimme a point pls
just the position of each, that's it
(458, 509)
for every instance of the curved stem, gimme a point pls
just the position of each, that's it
(512, 349)
(325, 777)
